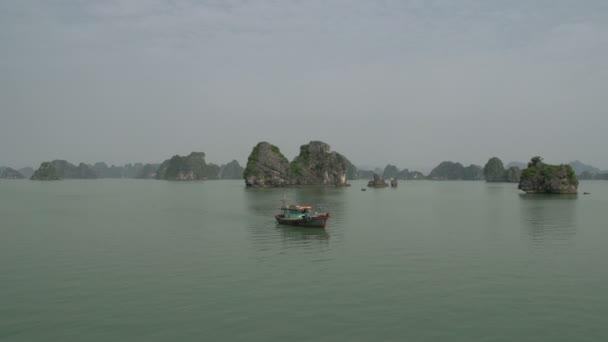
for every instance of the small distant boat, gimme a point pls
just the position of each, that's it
(295, 215)
(363, 189)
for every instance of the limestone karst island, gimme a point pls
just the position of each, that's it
(548, 179)
(315, 165)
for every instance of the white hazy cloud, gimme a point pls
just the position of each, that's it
(407, 82)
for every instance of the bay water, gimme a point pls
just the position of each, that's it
(143, 260)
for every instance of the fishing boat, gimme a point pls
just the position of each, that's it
(295, 215)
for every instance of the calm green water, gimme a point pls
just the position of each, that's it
(128, 260)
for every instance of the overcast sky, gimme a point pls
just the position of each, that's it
(406, 82)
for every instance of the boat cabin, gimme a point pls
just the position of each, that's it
(296, 212)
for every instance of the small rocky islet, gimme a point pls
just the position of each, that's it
(377, 181)
(541, 178)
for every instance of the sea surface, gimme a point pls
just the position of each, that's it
(144, 260)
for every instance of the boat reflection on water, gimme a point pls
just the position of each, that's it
(289, 233)
(547, 218)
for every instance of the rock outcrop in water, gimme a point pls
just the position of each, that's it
(494, 171)
(46, 172)
(62, 169)
(318, 165)
(448, 170)
(548, 179)
(187, 168)
(315, 165)
(266, 167)
(10, 173)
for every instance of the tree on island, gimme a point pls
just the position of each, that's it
(494, 170)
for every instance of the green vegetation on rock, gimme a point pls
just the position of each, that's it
(494, 170)
(544, 178)
(62, 169)
(448, 170)
(46, 171)
(315, 165)
(187, 168)
(318, 165)
(266, 167)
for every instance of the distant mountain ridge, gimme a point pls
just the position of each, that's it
(10, 173)
(580, 167)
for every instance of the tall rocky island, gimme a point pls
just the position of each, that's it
(266, 167)
(494, 171)
(315, 165)
(548, 179)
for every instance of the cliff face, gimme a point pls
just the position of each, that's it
(187, 168)
(46, 171)
(266, 167)
(550, 179)
(315, 165)
(351, 170)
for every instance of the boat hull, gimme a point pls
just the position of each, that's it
(318, 221)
